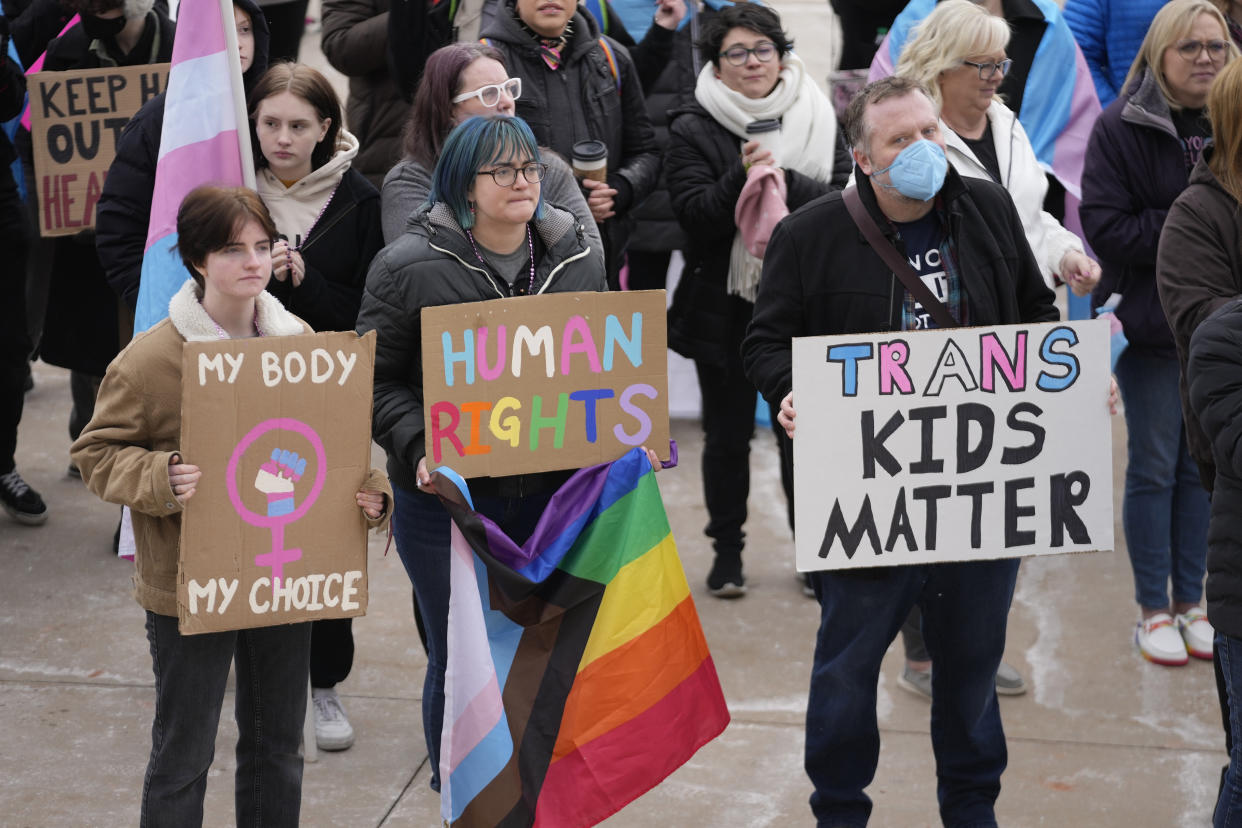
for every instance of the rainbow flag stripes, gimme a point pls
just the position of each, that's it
(578, 677)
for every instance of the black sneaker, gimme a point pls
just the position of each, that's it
(726, 579)
(21, 502)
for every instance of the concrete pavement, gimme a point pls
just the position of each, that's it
(1102, 739)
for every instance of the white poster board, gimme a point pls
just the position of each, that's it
(952, 445)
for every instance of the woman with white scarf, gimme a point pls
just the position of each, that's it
(729, 188)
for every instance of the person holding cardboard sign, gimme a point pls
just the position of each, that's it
(913, 245)
(129, 455)
(486, 233)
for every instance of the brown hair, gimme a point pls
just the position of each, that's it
(308, 84)
(873, 93)
(431, 116)
(210, 218)
(1225, 112)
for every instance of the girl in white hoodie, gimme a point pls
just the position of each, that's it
(328, 221)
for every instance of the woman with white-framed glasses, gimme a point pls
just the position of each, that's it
(485, 233)
(461, 80)
(1139, 159)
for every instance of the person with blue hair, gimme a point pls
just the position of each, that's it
(484, 233)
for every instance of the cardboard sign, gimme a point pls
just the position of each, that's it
(538, 383)
(952, 445)
(281, 429)
(76, 119)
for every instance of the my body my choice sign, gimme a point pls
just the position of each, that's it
(281, 428)
(951, 445)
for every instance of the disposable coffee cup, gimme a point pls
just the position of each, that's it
(590, 159)
(768, 133)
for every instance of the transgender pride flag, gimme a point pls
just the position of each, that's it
(578, 676)
(206, 140)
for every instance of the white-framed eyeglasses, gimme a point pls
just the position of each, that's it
(490, 95)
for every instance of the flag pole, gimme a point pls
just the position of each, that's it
(239, 92)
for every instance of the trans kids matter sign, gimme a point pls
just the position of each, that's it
(281, 429)
(952, 445)
(538, 383)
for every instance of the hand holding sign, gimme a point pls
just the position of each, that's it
(183, 478)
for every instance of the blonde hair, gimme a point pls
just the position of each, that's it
(1172, 23)
(1225, 111)
(955, 30)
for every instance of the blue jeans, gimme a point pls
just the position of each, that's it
(965, 608)
(421, 531)
(190, 676)
(1165, 510)
(1229, 806)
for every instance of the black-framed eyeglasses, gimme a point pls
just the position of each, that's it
(1191, 49)
(507, 176)
(490, 95)
(738, 55)
(988, 70)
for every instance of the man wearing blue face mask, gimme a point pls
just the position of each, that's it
(822, 275)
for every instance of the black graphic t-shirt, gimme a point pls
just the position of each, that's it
(1193, 129)
(923, 239)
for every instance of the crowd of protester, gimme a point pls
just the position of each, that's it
(1099, 145)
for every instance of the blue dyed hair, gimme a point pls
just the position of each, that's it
(475, 143)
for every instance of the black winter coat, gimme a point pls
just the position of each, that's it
(125, 206)
(821, 277)
(1134, 169)
(580, 101)
(432, 264)
(337, 255)
(87, 330)
(706, 178)
(1199, 270)
(1214, 374)
(355, 42)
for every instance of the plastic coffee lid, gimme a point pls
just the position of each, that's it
(590, 151)
(757, 127)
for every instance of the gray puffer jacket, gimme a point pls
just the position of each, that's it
(433, 264)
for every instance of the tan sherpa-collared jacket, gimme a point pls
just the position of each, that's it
(125, 449)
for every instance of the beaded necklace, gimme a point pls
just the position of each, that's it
(530, 245)
(322, 210)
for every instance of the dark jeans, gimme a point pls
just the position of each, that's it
(728, 424)
(331, 651)
(965, 608)
(1165, 510)
(421, 531)
(83, 389)
(14, 340)
(1229, 806)
(190, 676)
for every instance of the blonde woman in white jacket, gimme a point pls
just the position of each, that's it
(958, 52)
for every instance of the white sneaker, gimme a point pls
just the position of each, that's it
(332, 729)
(1197, 632)
(1159, 641)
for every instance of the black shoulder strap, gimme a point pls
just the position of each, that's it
(896, 262)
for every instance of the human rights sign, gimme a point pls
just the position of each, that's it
(281, 429)
(76, 120)
(952, 445)
(538, 383)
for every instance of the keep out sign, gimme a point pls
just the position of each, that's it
(76, 118)
(950, 445)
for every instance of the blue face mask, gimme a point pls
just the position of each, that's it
(917, 172)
